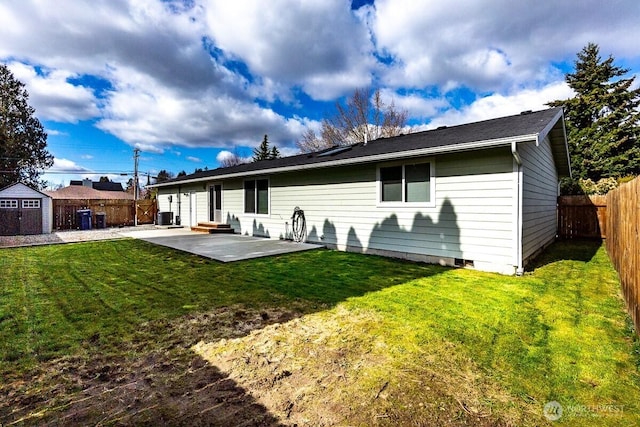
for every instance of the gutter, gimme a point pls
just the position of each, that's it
(421, 152)
(518, 207)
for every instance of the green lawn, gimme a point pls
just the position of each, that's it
(496, 348)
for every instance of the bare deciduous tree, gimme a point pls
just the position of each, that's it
(362, 117)
(232, 159)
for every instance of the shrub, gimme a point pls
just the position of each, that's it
(572, 186)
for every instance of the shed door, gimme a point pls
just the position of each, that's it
(9, 217)
(31, 216)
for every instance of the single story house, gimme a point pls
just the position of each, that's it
(480, 195)
(24, 210)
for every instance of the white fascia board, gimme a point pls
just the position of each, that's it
(543, 134)
(421, 152)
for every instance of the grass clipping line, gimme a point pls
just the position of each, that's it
(336, 366)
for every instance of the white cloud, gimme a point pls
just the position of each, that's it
(165, 88)
(216, 73)
(321, 46)
(417, 105)
(494, 44)
(65, 170)
(55, 132)
(288, 151)
(151, 115)
(66, 165)
(498, 105)
(194, 159)
(53, 97)
(226, 155)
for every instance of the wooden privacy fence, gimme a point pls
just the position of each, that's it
(623, 242)
(147, 211)
(118, 212)
(582, 217)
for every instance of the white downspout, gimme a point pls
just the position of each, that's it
(518, 209)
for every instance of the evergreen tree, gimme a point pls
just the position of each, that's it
(275, 153)
(603, 119)
(263, 152)
(23, 141)
(163, 176)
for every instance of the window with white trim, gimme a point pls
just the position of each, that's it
(408, 183)
(256, 196)
(8, 204)
(31, 204)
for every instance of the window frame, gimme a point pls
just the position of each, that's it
(31, 204)
(256, 205)
(8, 203)
(403, 203)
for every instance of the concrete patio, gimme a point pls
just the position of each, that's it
(221, 247)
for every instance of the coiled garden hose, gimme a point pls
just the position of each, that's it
(298, 225)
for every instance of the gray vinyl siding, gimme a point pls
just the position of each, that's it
(539, 197)
(472, 218)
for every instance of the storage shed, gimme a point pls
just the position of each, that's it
(24, 210)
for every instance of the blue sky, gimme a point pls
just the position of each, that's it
(189, 81)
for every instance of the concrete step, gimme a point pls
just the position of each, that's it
(212, 228)
(213, 225)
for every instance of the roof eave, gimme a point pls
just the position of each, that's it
(558, 139)
(422, 152)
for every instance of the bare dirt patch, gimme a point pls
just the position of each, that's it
(335, 368)
(244, 367)
(153, 379)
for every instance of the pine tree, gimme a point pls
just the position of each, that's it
(23, 141)
(603, 119)
(275, 153)
(263, 152)
(163, 176)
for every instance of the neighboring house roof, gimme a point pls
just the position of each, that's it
(80, 192)
(102, 186)
(505, 131)
(108, 186)
(19, 184)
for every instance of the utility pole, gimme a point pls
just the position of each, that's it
(136, 157)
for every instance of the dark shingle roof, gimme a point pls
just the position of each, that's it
(524, 124)
(107, 186)
(101, 186)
